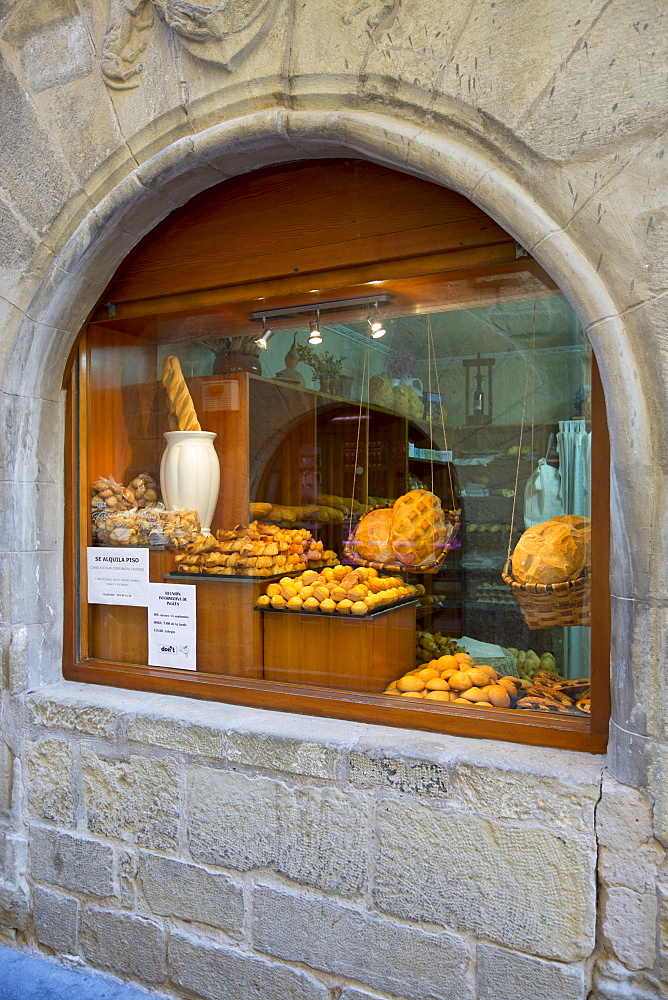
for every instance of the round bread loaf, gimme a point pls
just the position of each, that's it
(418, 527)
(380, 391)
(372, 537)
(550, 552)
(580, 523)
(407, 402)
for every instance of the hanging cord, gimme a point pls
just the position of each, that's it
(532, 349)
(365, 384)
(430, 336)
(430, 359)
(530, 361)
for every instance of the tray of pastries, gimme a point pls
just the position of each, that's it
(359, 592)
(254, 551)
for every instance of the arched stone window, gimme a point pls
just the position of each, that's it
(373, 486)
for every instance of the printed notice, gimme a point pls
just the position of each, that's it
(172, 628)
(116, 576)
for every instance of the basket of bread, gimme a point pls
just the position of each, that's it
(549, 572)
(411, 535)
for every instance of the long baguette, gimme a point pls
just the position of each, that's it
(180, 400)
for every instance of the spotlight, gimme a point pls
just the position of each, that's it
(266, 334)
(314, 336)
(375, 324)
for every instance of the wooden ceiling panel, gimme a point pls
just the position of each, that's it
(297, 219)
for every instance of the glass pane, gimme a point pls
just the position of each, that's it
(375, 492)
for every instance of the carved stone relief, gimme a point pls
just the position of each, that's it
(380, 11)
(220, 33)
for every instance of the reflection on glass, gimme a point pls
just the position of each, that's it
(402, 514)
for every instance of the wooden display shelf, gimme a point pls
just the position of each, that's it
(358, 654)
(229, 635)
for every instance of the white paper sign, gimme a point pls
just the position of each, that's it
(118, 576)
(172, 627)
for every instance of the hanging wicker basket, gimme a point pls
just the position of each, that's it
(429, 565)
(548, 605)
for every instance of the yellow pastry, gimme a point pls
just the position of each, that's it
(410, 683)
(359, 608)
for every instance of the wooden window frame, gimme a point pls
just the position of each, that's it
(561, 731)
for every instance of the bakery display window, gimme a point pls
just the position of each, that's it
(381, 499)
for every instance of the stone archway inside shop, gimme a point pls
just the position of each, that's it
(74, 283)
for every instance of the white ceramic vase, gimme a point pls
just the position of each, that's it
(190, 474)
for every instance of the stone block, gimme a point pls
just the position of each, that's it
(71, 715)
(35, 653)
(635, 869)
(34, 171)
(14, 907)
(55, 918)
(29, 512)
(30, 441)
(125, 944)
(657, 754)
(282, 754)
(623, 817)
(351, 993)
(401, 960)
(6, 778)
(202, 966)
(72, 862)
(628, 923)
(49, 781)
(177, 174)
(613, 981)
(509, 975)
(13, 857)
(309, 835)
(521, 795)
(138, 799)
(189, 892)
(662, 902)
(415, 777)
(506, 883)
(127, 870)
(628, 753)
(26, 601)
(18, 249)
(175, 735)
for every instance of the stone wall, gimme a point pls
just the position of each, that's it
(234, 853)
(189, 849)
(331, 860)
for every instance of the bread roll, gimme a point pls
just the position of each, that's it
(550, 552)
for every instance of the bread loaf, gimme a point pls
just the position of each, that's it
(550, 552)
(418, 528)
(180, 401)
(407, 402)
(380, 391)
(372, 537)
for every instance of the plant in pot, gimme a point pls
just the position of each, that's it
(400, 369)
(326, 368)
(234, 354)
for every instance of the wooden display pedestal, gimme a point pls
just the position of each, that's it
(339, 651)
